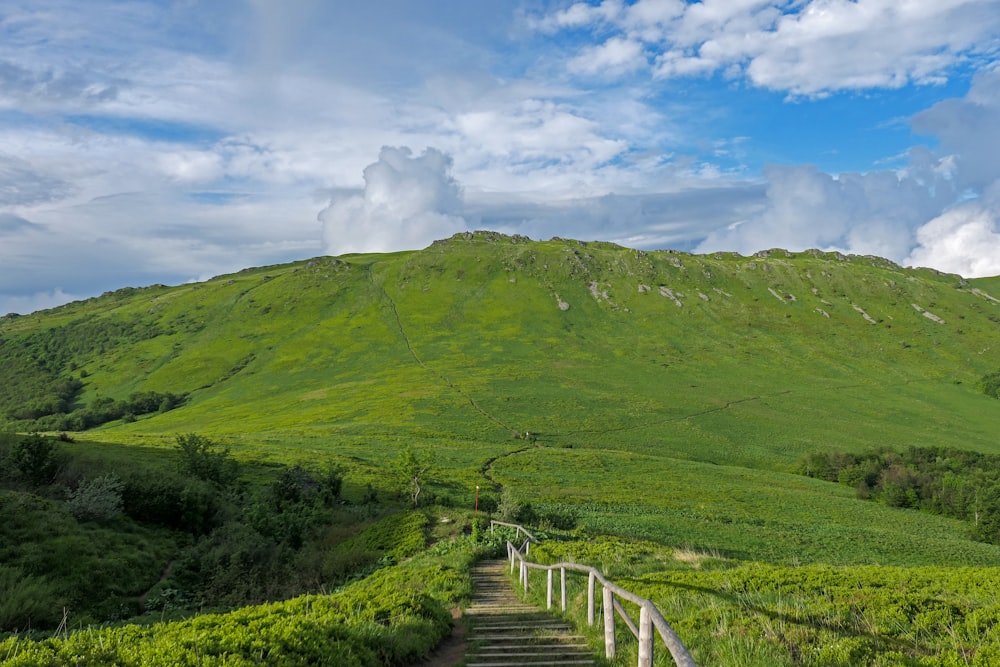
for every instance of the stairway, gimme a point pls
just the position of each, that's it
(504, 632)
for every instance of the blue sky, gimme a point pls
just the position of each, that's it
(164, 142)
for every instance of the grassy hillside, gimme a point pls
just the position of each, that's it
(662, 393)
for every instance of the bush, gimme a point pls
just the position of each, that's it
(97, 499)
(989, 384)
(190, 505)
(26, 601)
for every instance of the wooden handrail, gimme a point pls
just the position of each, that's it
(649, 615)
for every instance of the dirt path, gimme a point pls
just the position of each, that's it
(451, 651)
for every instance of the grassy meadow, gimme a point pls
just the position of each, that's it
(655, 396)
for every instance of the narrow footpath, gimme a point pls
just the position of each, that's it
(504, 632)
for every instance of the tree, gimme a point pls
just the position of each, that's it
(36, 458)
(206, 460)
(411, 471)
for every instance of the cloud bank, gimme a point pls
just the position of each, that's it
(940, 210)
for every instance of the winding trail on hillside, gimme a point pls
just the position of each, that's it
(420, 362)
(487, 469)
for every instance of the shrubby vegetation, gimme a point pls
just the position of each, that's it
(59, 416)
(951, 482)
(393, 617)
(108, 541)
(989, 384)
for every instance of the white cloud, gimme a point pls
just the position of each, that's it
(537, 138)
(407, 202)
(806, 48)
(963, 240)
(616, 56)
(580, 14)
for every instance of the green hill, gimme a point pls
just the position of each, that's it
(687, 387)
(656, 396)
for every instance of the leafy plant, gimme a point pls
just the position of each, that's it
(97, 499)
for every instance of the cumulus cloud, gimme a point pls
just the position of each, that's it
(963, 240)
(538, 137)
(406, 202)
(615, 56)
(941, 210)
(805, 48)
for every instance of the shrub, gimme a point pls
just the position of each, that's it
(26, 600)
(97, 499)
(989, 384)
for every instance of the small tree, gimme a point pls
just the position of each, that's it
(36, 458)
(97, 499)
(206, 460)
(411, 471)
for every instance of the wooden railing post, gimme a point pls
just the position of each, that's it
(591, 580)
(645, 636)
(609, 623)
(562, 586)
(649, 616)
(548, 593)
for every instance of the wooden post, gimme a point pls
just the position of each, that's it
(524, 575)
(591, 579)
(548, 594)
(609, 623)
(562, 586)
(645, 636)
